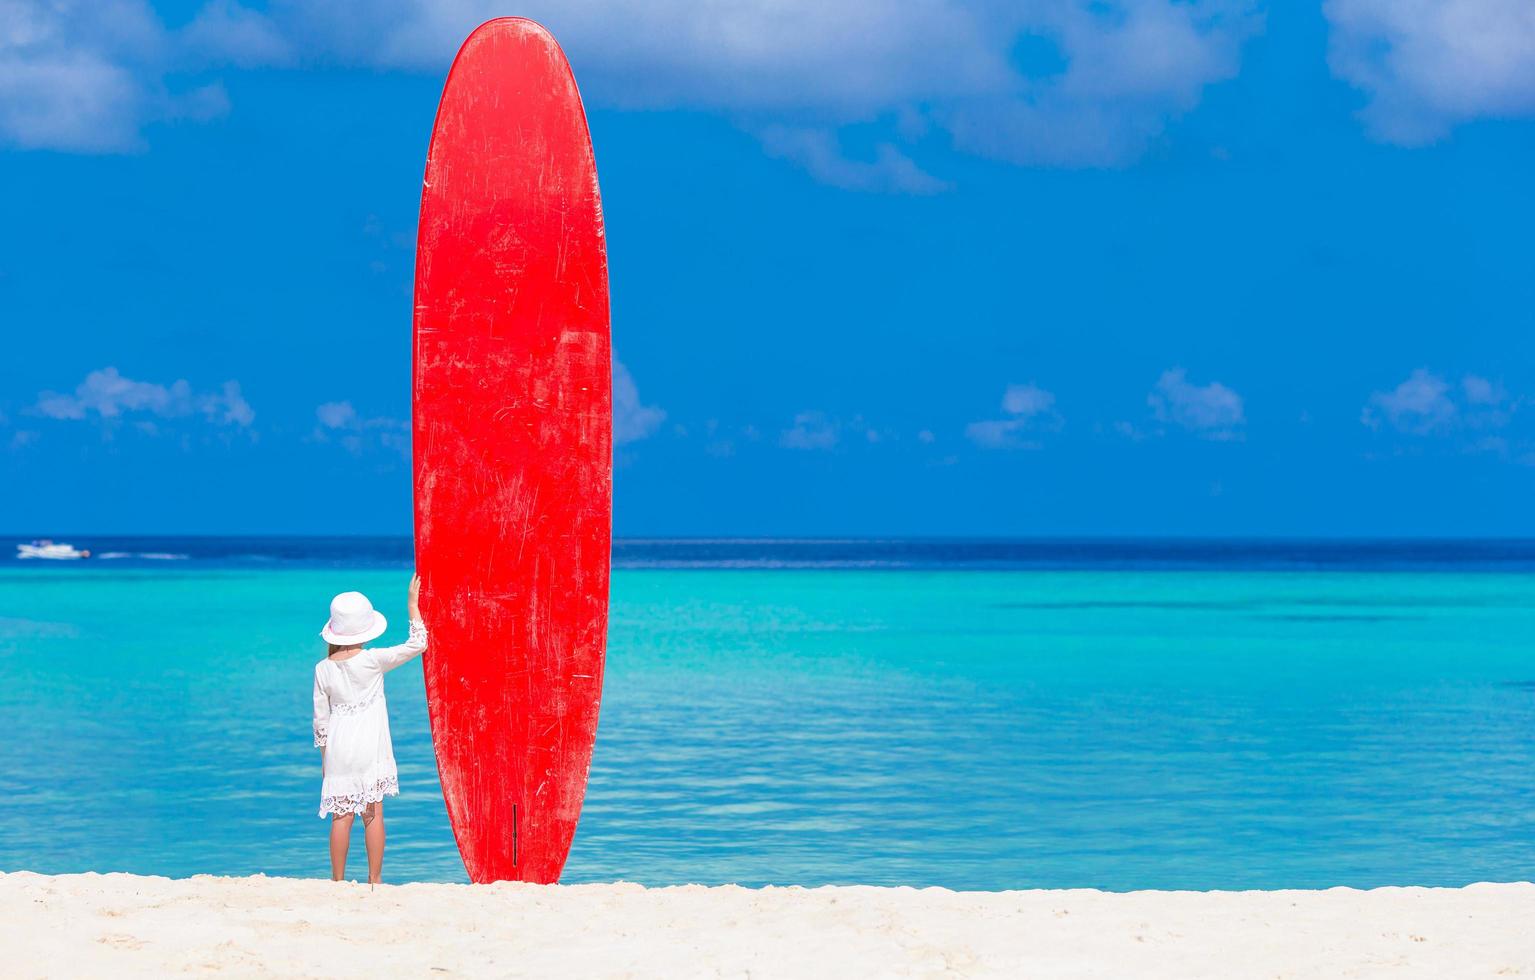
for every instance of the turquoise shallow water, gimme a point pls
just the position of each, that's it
(972, 729)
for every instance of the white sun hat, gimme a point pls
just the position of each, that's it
(353, 620)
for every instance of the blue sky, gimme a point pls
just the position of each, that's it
(1041, 267)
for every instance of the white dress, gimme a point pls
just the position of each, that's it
(351, 722)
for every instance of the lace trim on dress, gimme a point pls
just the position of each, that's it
(417, 630)
(357, 707)
(321, 736)
(358, 802)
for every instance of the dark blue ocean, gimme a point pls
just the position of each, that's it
(974, 714)
(1058, 554)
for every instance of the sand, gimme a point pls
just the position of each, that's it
(126, 925)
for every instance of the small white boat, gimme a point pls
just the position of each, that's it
(47, 549)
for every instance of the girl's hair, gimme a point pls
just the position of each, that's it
(331, 649)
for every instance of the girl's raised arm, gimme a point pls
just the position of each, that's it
(391, 657)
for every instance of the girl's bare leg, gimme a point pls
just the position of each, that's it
(340, 837)
(373, 833)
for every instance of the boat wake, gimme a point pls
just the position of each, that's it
(143, 555)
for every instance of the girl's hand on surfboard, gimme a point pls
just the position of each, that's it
(412, 594)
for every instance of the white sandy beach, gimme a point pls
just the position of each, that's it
(126, 925)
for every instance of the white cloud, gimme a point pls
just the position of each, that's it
(1425, 404)
(1480, 391)
(1426, 66)
(224, 32)
(1027, 400)
(850, 59)
(336, 415)
(1128, 430)
(1419, 405)
(811, 430)
(632, 420)
(1029, 407)
(995, 433)
(109, 395)
(235, 408)
(340, 420)
(1213, 411)
(1129, 66)
(87, 75)
(1127, 69)
(792, 71)
(817, 150)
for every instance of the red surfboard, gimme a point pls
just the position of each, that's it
(512, 449)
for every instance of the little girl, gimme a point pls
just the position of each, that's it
(351, 722)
